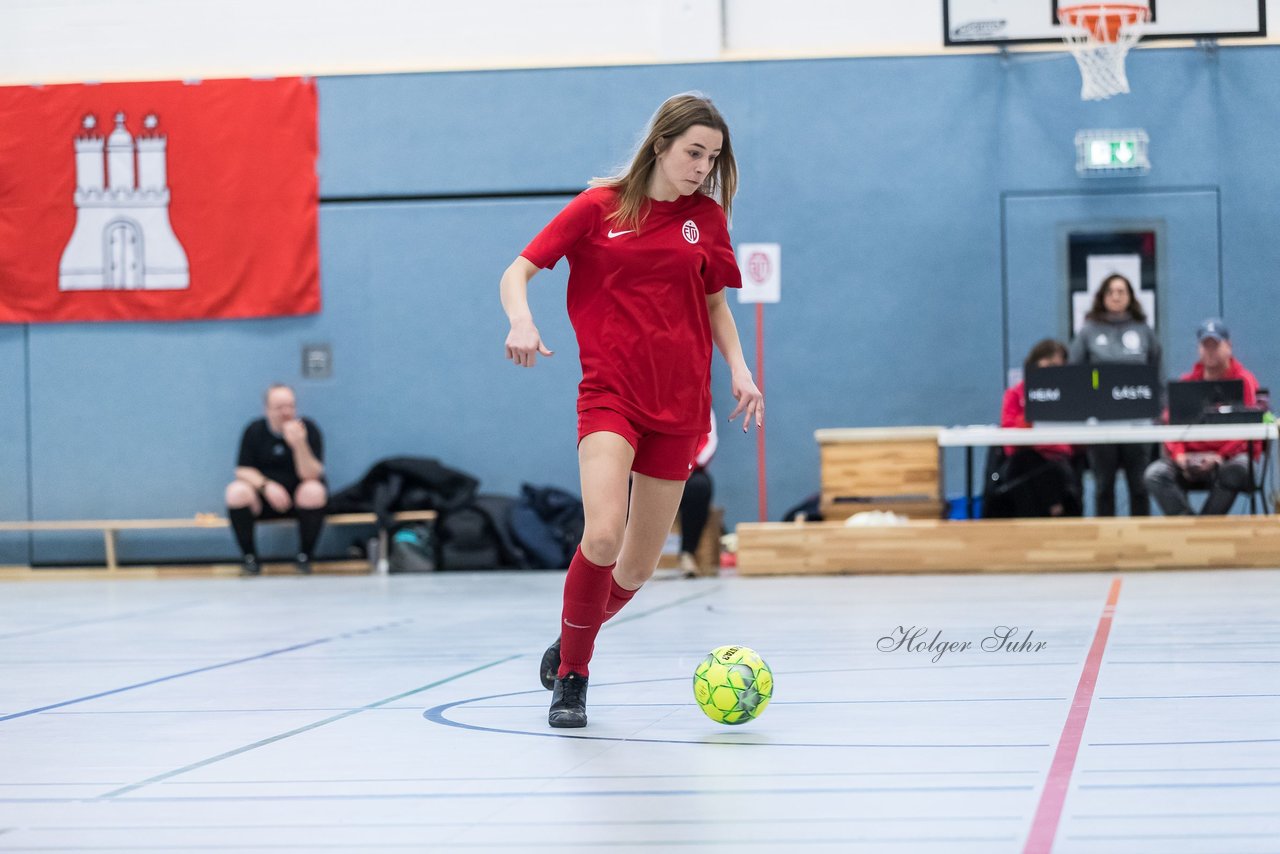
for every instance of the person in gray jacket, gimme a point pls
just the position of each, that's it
(1116, 330)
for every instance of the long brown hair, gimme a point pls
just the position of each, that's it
(676, 115)
(1099, 309)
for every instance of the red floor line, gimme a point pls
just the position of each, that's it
(1044, 827)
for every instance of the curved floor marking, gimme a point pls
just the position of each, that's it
(439, 715)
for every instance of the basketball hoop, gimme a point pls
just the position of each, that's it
(1099, 36)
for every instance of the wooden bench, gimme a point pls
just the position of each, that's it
(111, 528)
(880, 468)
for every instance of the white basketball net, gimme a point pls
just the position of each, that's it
(1088, 32)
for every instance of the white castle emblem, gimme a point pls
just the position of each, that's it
(122, 239)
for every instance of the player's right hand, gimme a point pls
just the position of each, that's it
(524, 344)
(294, 432)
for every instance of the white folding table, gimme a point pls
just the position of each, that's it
(1098, 434)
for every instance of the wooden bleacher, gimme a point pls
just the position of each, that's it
(881, 468)
(897, 469)
(1010, 545)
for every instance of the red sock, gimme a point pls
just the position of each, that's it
(619, 596)
(586, 590)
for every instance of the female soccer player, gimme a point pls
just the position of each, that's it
(649, 259)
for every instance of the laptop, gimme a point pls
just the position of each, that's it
(1082, 393)
(1199, 401)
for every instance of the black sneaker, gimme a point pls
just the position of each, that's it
(569, 702)
(249, 565)
(550, 665)
(303, 564)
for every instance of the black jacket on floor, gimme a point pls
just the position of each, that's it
(405, 483)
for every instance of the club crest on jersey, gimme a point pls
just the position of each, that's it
(690, 231)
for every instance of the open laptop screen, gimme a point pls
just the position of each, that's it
(1190, 400)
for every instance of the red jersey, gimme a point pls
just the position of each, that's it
(1013, 413)
(1228, 449)
(637, 302)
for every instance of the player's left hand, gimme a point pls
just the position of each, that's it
(294, 432)
(750, 401)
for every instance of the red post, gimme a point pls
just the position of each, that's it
(763, 486)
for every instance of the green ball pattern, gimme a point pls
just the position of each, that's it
(733, 685)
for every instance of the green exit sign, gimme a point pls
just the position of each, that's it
(1103, 154)
(1112, 153)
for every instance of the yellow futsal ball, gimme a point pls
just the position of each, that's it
(733, 685)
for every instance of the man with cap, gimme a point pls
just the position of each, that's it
(1220, 467)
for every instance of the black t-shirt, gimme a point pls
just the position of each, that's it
(270, 454)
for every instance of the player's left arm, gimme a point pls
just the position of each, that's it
(725, 333)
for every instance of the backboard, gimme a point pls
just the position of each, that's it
(1002, 22)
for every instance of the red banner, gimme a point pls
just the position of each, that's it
(158, 201)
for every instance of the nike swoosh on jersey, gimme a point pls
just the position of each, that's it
(613, 234)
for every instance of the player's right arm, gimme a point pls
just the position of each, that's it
(556, 240)
(523, 341)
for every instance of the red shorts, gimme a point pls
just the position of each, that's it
(666, 456)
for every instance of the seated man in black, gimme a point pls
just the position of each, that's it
(279, 473)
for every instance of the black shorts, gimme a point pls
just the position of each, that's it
(269, 512)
